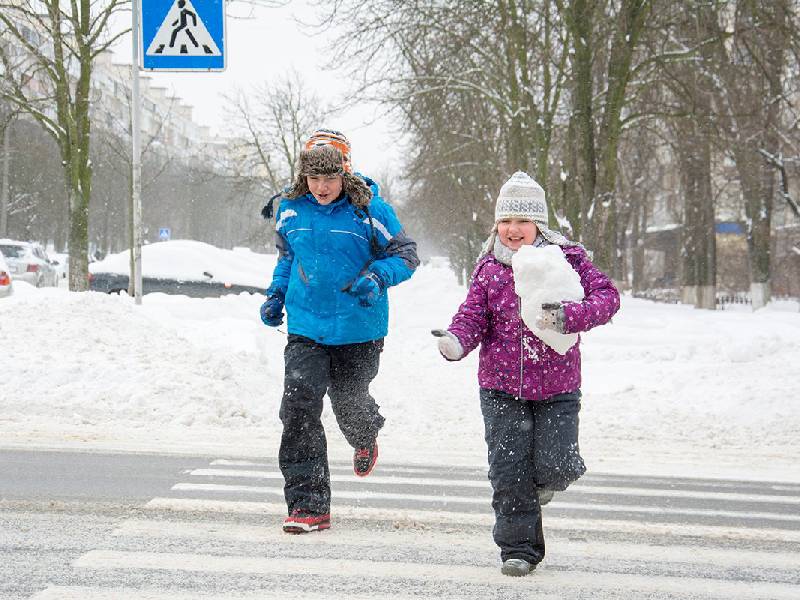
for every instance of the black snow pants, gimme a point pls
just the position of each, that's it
(312, 369)
(531, 445)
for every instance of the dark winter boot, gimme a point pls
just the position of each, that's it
(516, 567)
(545, 495)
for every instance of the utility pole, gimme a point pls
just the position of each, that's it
(136, 157)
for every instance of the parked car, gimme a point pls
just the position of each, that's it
(186, 267)
(6, 286)
(29, 262)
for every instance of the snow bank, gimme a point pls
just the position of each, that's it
(667, 388)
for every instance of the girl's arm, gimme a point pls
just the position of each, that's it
(601, 298)
(471, 321)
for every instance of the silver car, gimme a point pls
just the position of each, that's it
(28, 262)
(6, 286)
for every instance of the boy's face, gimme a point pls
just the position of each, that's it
(515, 233)
(325, 188)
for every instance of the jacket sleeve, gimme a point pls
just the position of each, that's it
(398, 259)
(280, 275)
(471, 321)
(601, 298)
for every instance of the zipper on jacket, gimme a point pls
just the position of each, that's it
(521, 345)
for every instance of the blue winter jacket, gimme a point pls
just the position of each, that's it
(323, 250)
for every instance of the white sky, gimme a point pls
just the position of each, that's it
(268, 46)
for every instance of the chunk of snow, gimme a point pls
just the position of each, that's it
(541, 276)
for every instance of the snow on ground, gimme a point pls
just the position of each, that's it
(667, 389)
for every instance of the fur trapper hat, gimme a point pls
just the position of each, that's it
(327, 152)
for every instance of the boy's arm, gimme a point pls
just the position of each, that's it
(283, 268)
(600, 302)
(399, 252)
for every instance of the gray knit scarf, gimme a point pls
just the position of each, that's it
(504, 254)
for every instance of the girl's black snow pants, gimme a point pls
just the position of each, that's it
(313, 369)
(531, 445)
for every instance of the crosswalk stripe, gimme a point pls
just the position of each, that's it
(476, 500)
(544, 579)
(563, 549)
(224, 462)
(404, 516)
(590, 478)
(90, 593)
(577, 488)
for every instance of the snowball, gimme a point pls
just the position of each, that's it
(541, 276)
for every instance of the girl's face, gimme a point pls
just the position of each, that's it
(515, 233)
(325, 188)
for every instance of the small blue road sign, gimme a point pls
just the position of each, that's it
(183, 35)
(164, 233)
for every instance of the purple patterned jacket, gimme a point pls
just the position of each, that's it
(512, 359)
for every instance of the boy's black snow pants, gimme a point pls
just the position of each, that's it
(531, 445)
(312, 369)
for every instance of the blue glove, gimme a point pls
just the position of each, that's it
(272, 311)
(367, 288)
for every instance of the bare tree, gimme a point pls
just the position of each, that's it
(604, 39)
(478, 86)
(6, 119)
(687, 72)
(48, 72)
(271, 121)
(753, 38)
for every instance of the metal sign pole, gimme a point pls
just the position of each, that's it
(136, 156)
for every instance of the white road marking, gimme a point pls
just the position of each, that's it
(543, 579)
(563, 549)
(90, 593)
(577, 488)
(406, 517)
(477, 500)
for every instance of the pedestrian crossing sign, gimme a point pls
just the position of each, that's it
(183, 35)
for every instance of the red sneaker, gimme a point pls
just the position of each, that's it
(301, 521)
(364, 459)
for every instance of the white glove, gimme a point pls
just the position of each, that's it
(449, 346)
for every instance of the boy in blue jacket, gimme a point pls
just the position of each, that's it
(340, 247)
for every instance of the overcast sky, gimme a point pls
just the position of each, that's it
(268, 45)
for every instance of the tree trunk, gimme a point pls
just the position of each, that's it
(699, 274)
(4, 191)
(758, 188)
(639, 229)
(78, 240)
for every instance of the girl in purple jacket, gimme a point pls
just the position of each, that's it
(530, 394)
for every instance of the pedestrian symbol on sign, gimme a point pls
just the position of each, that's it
(164, 234)
(182, 33)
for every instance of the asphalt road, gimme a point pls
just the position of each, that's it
(89, 526)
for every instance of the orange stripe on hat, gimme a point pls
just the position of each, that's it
(329, 137)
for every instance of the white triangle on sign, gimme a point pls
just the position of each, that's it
(182, 33)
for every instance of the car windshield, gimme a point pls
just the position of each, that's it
(12, 251)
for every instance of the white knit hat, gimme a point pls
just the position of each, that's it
(521, 198)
